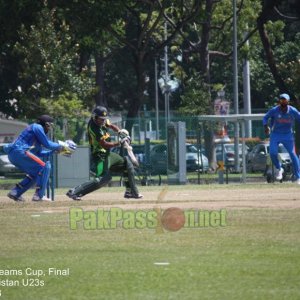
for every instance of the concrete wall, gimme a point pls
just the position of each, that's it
(71, 171)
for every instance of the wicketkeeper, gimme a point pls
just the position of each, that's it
(27, 153)
(102, 160)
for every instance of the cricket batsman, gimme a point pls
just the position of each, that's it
(27, 153)
(103, 161)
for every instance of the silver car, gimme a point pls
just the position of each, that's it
(257, 158)
(195, 160)
(226, 153)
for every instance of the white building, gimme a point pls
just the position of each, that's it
(10, 129)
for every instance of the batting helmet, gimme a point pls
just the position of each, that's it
(100, 111)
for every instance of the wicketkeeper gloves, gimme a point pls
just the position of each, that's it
(68, 147)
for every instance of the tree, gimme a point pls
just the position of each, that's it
(13, 14)
(48, 68)
(141, 32)
(88, 20)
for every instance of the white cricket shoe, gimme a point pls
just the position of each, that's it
(297, 181)
(37, 198)
(279, 174)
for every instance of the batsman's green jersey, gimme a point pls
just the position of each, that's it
(102, 159)
(96, 134)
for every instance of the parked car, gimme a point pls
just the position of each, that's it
(138, 150)
(257, 158)
(226, 153)
(6, 167)
(195, 160)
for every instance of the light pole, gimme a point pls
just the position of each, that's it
(166, 84)
(235, 89)
(167, 103)
(247, 95)
(156, 100)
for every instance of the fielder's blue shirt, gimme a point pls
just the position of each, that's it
(281, 122)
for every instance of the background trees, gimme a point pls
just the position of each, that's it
(102, 52)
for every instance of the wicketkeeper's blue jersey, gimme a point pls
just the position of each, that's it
(33, 138)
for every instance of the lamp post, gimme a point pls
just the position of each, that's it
(235, 89)
(166, 84)
(167, 102)
(156, 100)
(165, 89)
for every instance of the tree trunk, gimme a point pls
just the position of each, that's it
(204, 69)
(100, 98)
(205, 36)
(262, 19)
(137, 99)
(83, 61)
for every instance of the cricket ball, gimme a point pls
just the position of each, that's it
(173, 219)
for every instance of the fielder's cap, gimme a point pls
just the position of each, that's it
(284, 96)
(43, 119)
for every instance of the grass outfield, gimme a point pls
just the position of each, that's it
(256, 255)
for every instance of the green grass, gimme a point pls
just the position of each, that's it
(256, 256)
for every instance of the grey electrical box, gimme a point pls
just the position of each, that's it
(176, 153)
(74, 170)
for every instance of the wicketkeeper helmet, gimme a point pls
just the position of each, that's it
(44, 119)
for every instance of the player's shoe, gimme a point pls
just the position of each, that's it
(73, 196)
(37, 198)
(13, 195)
(129, 195)
(297, 181)
(279, 174)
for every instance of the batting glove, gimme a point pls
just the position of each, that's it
(125, 139)
(123, 133)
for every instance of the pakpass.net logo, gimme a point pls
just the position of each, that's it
(171, 219)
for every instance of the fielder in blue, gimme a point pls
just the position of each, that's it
(26, 153)
(281, 120)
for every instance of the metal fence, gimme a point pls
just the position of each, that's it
(199, 133)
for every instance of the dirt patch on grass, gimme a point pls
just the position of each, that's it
(214, 197)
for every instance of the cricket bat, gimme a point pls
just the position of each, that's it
(131, 154)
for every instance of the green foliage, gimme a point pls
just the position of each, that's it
(275, 31)
(70, 114)
(196, 98)
(43, 52)
(49, 64)
(289, 63)
(66, 105)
